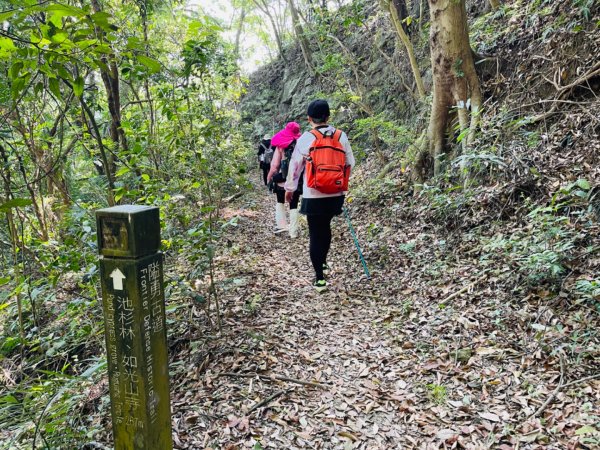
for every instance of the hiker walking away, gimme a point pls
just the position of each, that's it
(265, 155)
(284, 142)
(325, 156)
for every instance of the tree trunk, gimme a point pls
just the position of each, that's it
(238, 33)
(304, 46)
(37, 208)
(54, 168)
(455, 83)
(397, 17)
(95, 133)
(8, 195)
(152, 142)
(144, 17)
(110, 77)
(42, 158)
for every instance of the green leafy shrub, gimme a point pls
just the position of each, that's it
(588, 291)
(447, 206)
(541, 250)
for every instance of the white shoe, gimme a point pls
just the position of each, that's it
(294, 223)
(281, 225)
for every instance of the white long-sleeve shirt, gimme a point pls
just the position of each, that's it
(298, 161)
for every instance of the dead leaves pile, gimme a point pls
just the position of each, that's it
(427, 354)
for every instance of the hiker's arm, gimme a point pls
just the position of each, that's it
(297, 161)
(294, 172)
(275, 162)
(291, 184)
(350, 161)
(348, 149)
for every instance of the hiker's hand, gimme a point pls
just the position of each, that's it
(288, 196)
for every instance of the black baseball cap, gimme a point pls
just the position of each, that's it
(318, 109)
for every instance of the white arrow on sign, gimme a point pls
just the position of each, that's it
(118, 278)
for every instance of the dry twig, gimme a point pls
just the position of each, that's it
(582, 380)
(594, 71)
(555, 392)
(562, 385)
(363, 294)
(274, 378)
(463, 290)
(268, 400)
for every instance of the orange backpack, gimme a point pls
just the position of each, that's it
(326, 169)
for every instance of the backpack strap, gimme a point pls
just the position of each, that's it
(316, 133)
(291, 145)
(337, 135)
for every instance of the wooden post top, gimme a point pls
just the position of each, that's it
(128, 231)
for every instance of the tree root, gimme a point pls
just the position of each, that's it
(562, 91)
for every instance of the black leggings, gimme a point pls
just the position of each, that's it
(281, 198)
(319, 230)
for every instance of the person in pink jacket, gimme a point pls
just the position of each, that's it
(282, 141)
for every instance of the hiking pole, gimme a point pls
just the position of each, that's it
(362, 258)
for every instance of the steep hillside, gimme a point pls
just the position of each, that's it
(540, 72)
(357, 55)
(537, 60)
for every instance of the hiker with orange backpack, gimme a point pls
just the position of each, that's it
(284, 142)
(325, 157)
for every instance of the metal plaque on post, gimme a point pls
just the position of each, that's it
(131, 273)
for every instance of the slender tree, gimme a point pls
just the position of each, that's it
(263, 6)
(398, 15)
(239, 30)
(301, 37)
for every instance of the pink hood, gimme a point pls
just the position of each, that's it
(286, 136)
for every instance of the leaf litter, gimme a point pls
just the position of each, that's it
(374, 364)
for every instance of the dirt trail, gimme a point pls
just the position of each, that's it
(393, 370)
(276, 325)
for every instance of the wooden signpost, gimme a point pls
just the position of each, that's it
(131, 272)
